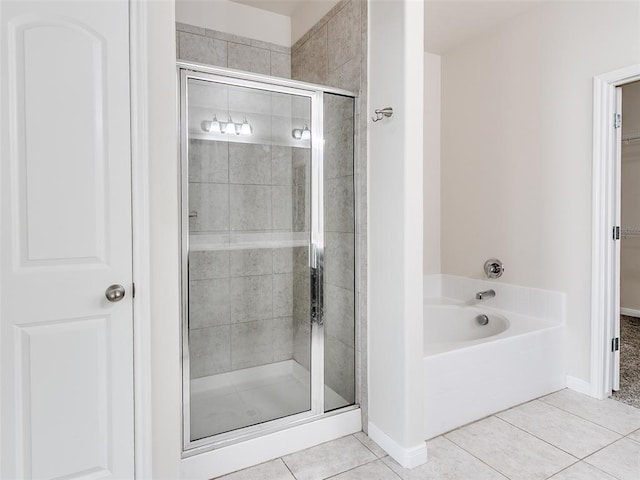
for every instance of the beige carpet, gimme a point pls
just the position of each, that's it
(629, 392)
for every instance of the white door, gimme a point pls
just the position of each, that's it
(65, 236)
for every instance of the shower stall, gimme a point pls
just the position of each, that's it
(268, 254)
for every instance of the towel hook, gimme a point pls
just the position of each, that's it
(382, 113)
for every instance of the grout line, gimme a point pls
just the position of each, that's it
(365, 445)
(286, 466)
(475, 456)
(580, 416)
(628, 436)
(606, 473)
(551, 444)
(559, 471)
(358, 466)
(541, 439)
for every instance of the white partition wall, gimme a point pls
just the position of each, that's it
(395, 230)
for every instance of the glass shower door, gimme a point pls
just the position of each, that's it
(246, 196)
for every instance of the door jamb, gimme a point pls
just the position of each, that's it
(138, 48)
(604, 192)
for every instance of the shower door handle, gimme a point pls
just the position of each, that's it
(316, 305)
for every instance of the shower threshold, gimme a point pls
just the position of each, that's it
(233, 400)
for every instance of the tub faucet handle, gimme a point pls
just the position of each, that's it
(493, 268)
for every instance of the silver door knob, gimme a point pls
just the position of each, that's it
(114, 293)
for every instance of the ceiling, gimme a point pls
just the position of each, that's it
(447, 23)
(283, 7)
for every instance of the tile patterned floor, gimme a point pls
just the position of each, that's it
(563, 436)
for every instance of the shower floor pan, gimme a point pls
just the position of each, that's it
(229, 401)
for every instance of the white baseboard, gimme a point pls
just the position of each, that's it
(268, 447)
(578, 385)
(407, 457)
(630, 312)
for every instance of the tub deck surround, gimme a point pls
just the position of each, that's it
(531, 302)
(472, 378)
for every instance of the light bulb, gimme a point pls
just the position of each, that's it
(306, 133)
(296, 133)
(230, 128)
(206, 125)
(215, 125)
(245, 128)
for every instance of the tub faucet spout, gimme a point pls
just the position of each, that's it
(486, 294)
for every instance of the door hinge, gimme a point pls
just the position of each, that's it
(133, 290)
(617, 120)
(615, 344)
(616, 233)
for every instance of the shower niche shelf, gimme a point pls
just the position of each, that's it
(246, 241)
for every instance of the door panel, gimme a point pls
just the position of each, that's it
(56, 228)
(65, 236)
(246, 167)
(339, 252)
(56, 347)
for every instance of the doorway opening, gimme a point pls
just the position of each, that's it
(615, 313)
(626, 387)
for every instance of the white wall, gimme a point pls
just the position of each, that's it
(630, 248)
(431, 174)
(236, 19)
(395, 229)
(517, 149)
(163, 223)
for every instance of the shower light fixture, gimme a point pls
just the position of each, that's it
(228, 127)
(301, 134)
(245, 128)
(211, 125)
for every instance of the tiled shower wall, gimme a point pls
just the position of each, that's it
(333, 52)
(240, 309)
(224, 50)
(241, 300)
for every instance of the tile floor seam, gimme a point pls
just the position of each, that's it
(632, 439)
(358, 466)
(565, 468)
(365, 446)
(287, 467)
(560, 448)
(545, 441)
(606, 473)
(474, 456)
(578, 416)
(600, 449)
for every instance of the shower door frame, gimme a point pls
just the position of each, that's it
(186, 72)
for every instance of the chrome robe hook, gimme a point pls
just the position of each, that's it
(382, 113)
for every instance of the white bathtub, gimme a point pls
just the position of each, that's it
(471, 371)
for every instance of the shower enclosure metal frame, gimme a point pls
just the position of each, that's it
(187, 71)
